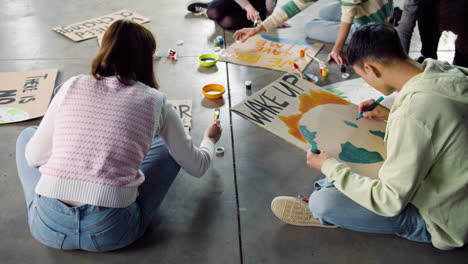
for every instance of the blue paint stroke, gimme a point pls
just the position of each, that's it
(309, 136)
(350, 124)
(353, 154)
(378, 133)
(287, 41)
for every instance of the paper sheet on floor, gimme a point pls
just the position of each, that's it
(272, 53)
(93, 27)
(184, 109)
(25, 95)
(304, 114)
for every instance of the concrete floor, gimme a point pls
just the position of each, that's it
(225, 216)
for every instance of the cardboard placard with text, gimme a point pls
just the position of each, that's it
(93, 27)
(184, 109)
(25, 95)
(304, 115)
(271, 53)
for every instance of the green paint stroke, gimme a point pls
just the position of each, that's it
(309, 136)
(336, 92)
(378, 133)
(351, 153)
(350, 124)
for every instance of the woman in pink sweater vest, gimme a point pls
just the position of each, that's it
(107, 150)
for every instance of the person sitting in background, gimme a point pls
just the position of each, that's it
(233, 14)
(338, 20)
(421, 192)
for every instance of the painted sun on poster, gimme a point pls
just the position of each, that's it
(304, 114)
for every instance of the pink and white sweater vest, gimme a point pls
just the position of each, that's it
(102, 132)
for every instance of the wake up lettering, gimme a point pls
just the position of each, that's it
(94, 27)
(29, 87)
(264, 108)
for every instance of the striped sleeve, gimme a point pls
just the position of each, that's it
(365, 11)
(349, 10)
(287, 11)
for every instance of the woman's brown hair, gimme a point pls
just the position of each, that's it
(126, 52)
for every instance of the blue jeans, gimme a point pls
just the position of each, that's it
(89, 227)
(326, 27)
(332, 207)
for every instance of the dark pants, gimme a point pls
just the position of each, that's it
(433, 17)
(230, 15)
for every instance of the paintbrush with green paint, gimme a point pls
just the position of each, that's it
(370, 107)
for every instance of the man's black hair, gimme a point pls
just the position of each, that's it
(375, 42)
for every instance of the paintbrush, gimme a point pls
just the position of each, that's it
(296, 67)
(216, 114)
(314, 58)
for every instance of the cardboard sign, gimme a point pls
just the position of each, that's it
(184, 109)
(271, 53)
(25, 95)
(304, 115)
(93, 27)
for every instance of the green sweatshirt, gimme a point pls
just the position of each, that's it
(359, 11)
(427, 156)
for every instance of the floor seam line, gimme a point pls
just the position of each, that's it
(234, 165)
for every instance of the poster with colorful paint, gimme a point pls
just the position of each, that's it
(184, 109)
(305, 115)
(93, 27)
(25, 95)
(272, 53)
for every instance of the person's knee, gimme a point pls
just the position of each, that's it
(331, 11)
(26, 134)
(321, 204)
(214, 13)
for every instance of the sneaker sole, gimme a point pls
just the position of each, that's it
(294, 212)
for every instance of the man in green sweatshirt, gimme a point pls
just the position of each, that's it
(422, 188)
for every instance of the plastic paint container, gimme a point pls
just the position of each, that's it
(208, 60)
(213, 91)
(219, 151)
(248, 85)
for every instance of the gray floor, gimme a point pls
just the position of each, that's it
(223, 217)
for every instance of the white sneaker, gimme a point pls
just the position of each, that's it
(197, 7)
(295, 211)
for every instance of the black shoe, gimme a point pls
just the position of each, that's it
(396, 16)
(421, 59)
(195, 6)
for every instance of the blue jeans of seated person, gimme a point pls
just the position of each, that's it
(87, 227)
(326, 27)
(331, 207)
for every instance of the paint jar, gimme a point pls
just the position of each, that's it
(324, 72)
(302, 53)
(220, 40)
(219, 151)
(343, 68)
(248, 85)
